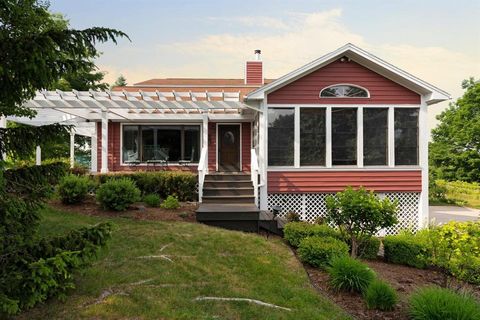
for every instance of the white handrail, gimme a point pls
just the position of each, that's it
(202, 171)
(254, 171)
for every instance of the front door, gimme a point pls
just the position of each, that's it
(228, 147)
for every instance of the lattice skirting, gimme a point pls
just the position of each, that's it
(310, 206)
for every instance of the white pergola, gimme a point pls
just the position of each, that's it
(84, 108)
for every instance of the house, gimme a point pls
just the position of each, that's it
(345, 119)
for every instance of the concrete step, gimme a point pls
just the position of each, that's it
(229, 199)
(228, 177)
(228, 191)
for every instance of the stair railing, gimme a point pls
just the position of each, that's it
(202, 171)
(254, 171)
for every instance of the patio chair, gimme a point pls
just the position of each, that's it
(186, 162)
(160, 157)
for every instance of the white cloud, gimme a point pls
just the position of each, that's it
(292, 42)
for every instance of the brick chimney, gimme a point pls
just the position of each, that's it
(254, 70)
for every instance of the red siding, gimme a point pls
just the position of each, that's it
(246, 145)
(254, 72)
(307, 89)
(212, 146)
(334, 181)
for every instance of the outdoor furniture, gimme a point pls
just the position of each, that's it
(187, 161)
(160, 157)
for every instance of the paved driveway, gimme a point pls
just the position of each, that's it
(443, 214)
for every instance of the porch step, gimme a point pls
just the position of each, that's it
(227, 184)
(228, 191)
(228, 177)
(248, 199)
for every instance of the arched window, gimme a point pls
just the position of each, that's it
(344, 91)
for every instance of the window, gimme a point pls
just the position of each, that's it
(344, 91)
(406, 136)
(165, 142)
(344, 136)
(312, 136)
(375, 136)
(280, 136)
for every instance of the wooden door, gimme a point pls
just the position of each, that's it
(228, 147)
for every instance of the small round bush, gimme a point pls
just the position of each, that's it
(381, 296)
(170, 203)
(118, 194)
(295, 232)
(349, 274)
(152, 200)
(434, 303)
(318, 251)
(73, 189)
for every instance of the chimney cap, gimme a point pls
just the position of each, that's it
(258, 51)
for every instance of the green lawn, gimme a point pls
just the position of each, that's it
(197, 261)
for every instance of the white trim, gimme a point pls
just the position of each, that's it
(216, 142)
(360, 137)
(343, 168)
(296, 137)
(345, 97)
(93, 151)
(328, 136)
(38, 156)
(423, 136)
(104, 126)
(391, 137)
(343, 105)
(433, 94)
(72, 148)
(263, 155)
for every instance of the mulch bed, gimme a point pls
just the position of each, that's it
(137, 211)
(404, 279)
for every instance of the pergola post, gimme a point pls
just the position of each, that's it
(3, 125)
(205, 137)
(72, 148)
(93, 151)
(38, 156)
(262, 154)
(104, 168)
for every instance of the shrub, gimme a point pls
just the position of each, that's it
(152, 200)
(292, 217)
(73, 189)
(118, 194)
(368, 249)
(170, 203)
(381, 296)
(360, 214)
(295, 232)
(433, 303)
(318, 251)
(406, 249)
(164, 183)
(347, 273)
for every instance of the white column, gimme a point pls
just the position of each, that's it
(360, 137)
(38, 156)
(263, 154)
(104, 168)
(423, 137)
(328, 136)
(205, 137)
(3, 125)
(72, 148)
(391, 137)
(93, 151)
(296, 139)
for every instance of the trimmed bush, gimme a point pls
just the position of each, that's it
(381, 296)
(118, 194)
(163, 183)
(152, 200)
(349, 274)
(73, 189)
(170, 203)
(292, 217)
(367, 249)
(406, 249)
(434, 303)
(318, 251)
(295, 232)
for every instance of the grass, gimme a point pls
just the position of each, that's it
(461, 193)
(205, 261)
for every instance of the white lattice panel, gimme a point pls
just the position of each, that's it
(310, 206)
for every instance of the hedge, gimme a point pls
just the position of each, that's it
(163, 183)
(407, 250)
(295, 232)
(319, 251)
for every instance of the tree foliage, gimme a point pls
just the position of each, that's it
(120, 82)
(37, 51)
(455, 147)
(360, 214)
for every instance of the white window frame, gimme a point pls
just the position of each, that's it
(158, 124)
(344, 84)
(328, 136)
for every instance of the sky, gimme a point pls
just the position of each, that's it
(437, 41)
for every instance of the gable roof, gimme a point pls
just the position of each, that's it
(433, 94)
(199, 82)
